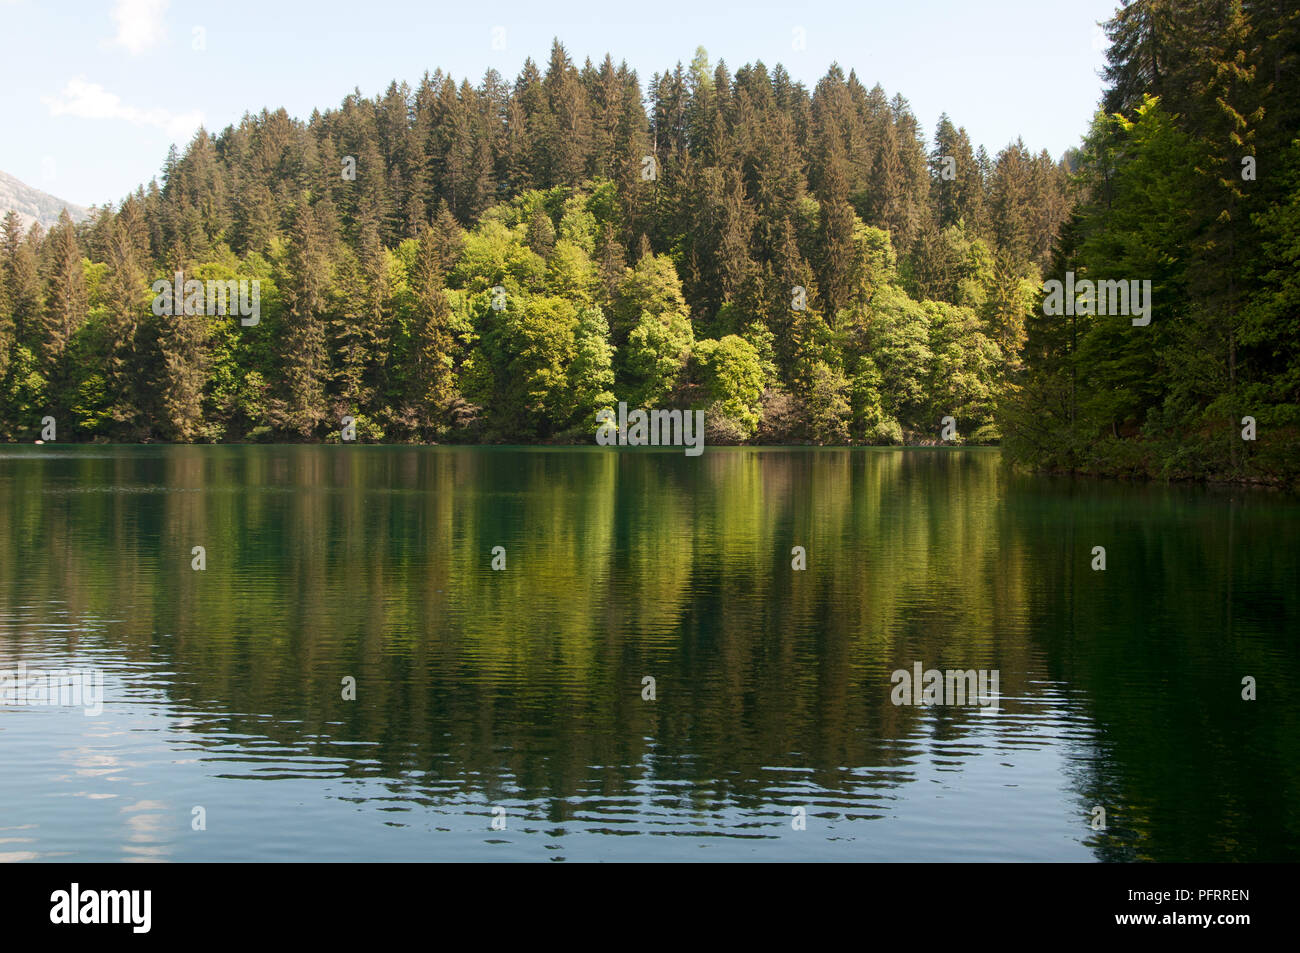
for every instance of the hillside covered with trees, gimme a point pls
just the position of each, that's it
(494, 263)
(1189, 178)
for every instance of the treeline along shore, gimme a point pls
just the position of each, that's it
(498, 263)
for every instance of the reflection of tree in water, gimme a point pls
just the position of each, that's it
(374, 562)
(1156, 647)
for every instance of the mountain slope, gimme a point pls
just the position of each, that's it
(33, 205)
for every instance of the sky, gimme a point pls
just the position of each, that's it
(92, 94)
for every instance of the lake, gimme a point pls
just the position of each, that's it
(649, 677)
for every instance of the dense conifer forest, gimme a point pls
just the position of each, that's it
(493, 263)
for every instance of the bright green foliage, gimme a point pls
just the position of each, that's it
(653, 288)
(827, 402)
(513, 256)
(963, 371)
(591, 374)
(732, 376)
(522, 368)
(654, 357)
(1189, 183)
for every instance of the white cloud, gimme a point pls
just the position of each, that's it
(92, 101)
(139, 24)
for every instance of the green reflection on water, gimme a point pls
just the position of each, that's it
(773, 685)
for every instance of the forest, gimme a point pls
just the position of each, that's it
(494, 263)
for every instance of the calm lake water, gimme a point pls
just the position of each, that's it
(522, 690)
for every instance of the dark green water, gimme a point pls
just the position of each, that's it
(522, 689)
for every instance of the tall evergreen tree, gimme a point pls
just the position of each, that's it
(65, 307)
(304, 361)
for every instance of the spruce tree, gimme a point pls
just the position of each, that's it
(302, 351)
(65, 309)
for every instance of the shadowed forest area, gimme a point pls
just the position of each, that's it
(454, 263)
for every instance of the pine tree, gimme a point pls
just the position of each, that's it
(65, 308)
(303, 356)
(1227, 116)
(834, 256)
(182, 342)
(955, 185)
(8, 247)
(541, 231)
(570, 131)
(1010, 205)
(432, 341)
(126, 295)
(22, 279)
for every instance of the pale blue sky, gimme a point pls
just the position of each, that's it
(93, 93)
